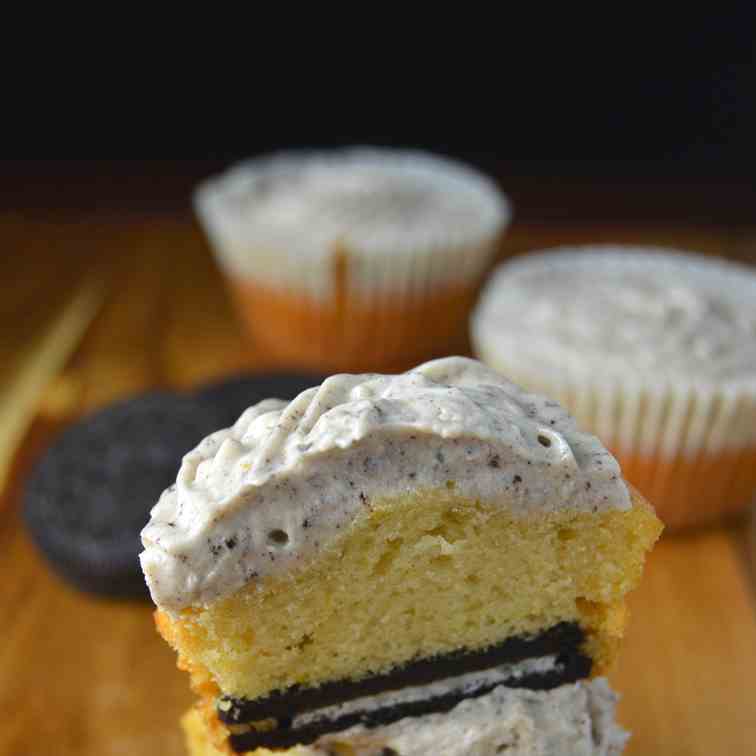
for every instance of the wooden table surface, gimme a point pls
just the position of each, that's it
(80, 675)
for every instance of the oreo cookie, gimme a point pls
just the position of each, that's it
(90, 495)
(230, 397)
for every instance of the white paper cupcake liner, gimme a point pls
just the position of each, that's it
(687, 442)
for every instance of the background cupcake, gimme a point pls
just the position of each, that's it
(653, 350)
(360, 259)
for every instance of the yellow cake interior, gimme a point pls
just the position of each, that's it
(416, 575)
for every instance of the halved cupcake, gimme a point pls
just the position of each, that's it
(388, 554)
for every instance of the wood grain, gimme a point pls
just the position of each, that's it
(44, 355)
(79, 675)
(687, 671)
(91, 677)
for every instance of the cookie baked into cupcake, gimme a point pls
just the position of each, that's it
(355, 259)
(388, 557)
(652, 350)
(571, 720)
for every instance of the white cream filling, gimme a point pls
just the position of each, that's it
(467, 684)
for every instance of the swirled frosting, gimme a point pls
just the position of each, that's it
(264, 495)
(612, 312)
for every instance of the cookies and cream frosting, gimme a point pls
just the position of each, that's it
(399, 214)
(262, 496)
(606, 313)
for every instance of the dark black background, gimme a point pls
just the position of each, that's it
(643, 124)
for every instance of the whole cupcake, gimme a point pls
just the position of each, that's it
(652, 350)
(359, 259)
